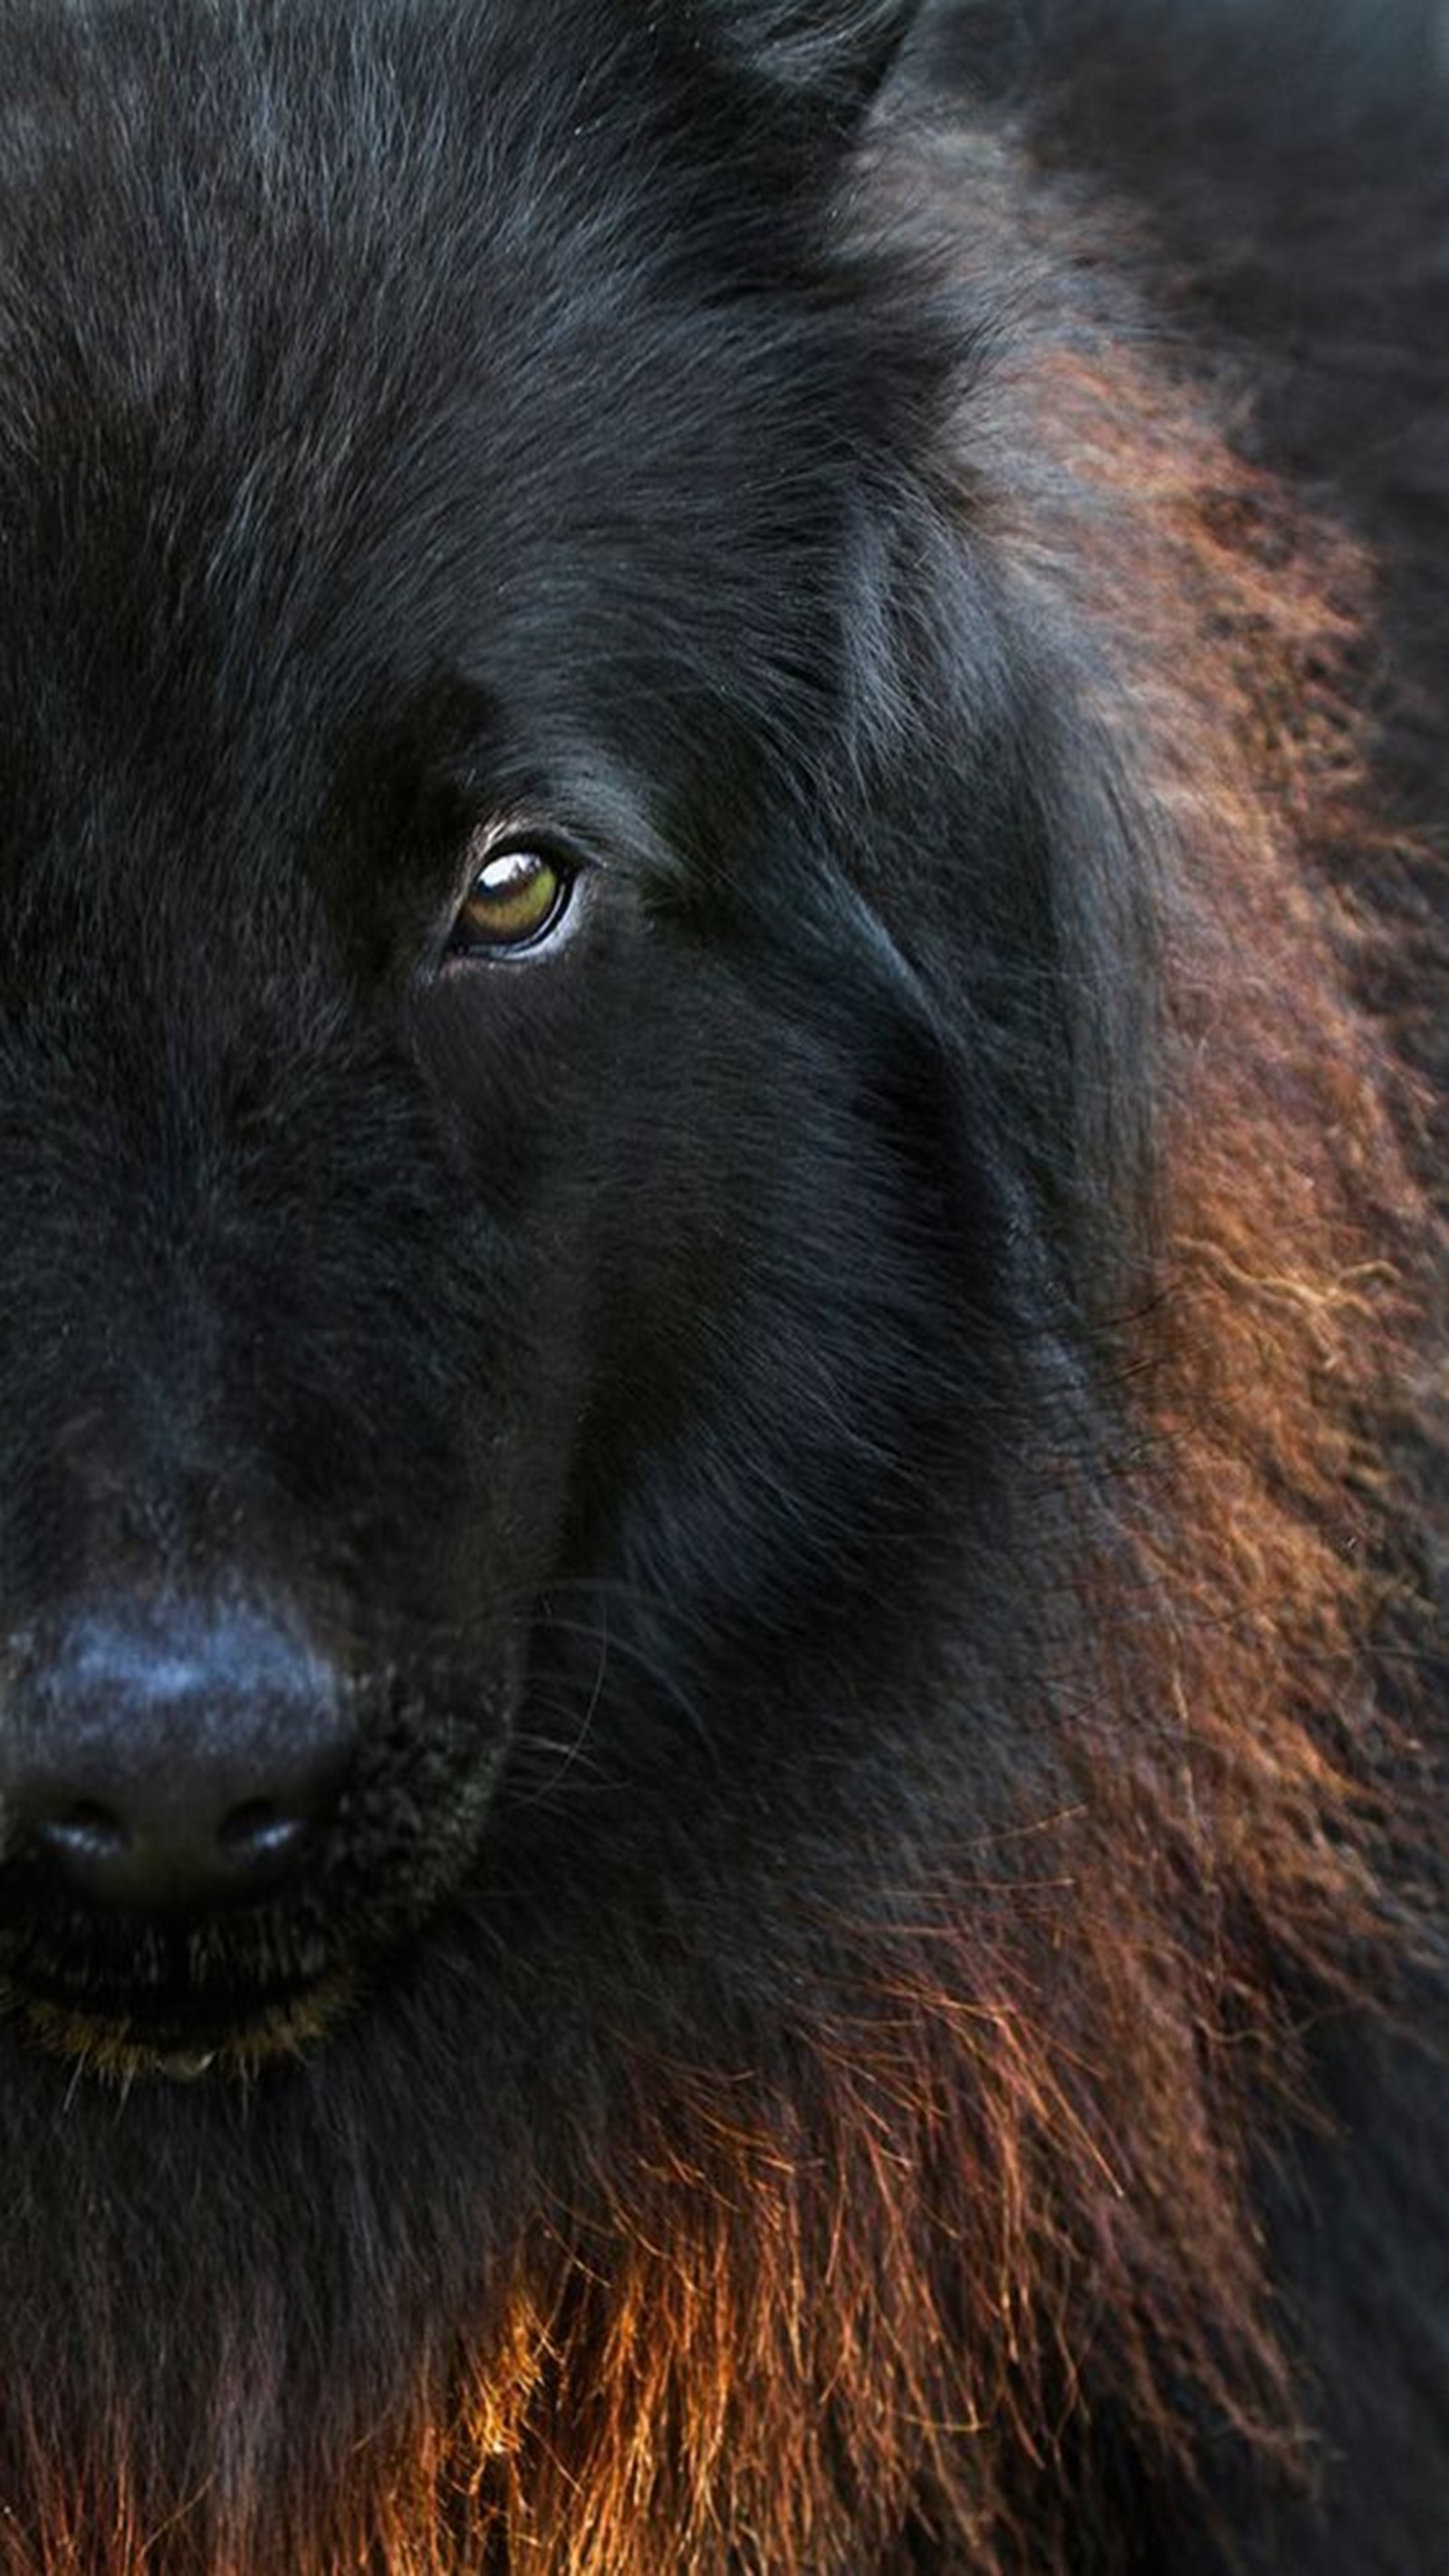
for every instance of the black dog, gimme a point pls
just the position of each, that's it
(718, 1475)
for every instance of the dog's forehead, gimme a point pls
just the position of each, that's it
(299, 383)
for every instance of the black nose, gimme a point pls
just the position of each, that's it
(179, 1759)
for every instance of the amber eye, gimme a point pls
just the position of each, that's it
(517, 897)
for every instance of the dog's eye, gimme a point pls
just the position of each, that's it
(516, 900)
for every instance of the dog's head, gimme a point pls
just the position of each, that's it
(488, 1219)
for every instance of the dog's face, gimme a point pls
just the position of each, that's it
(462, 1274)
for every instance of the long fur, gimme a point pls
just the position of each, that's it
(901, 1372)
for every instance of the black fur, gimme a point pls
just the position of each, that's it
(683, 1401)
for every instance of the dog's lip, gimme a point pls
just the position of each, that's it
(125, 2036)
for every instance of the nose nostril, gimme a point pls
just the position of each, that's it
(258, 1830)
(87, 1830)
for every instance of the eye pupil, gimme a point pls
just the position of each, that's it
(515, 898)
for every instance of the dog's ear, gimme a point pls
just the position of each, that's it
(837, 50)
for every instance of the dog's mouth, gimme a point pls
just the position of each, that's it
(175, 1998)
(183, 2034)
